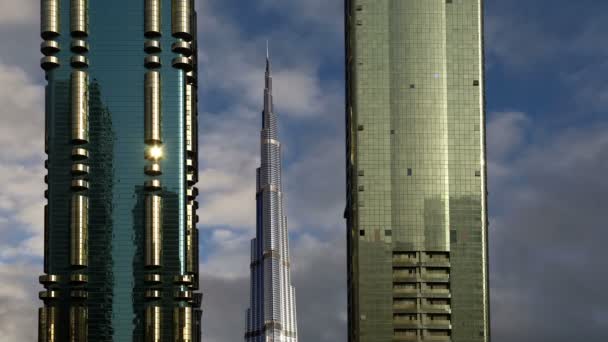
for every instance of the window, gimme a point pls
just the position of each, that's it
(453, 236)
(388, 232)
(362, 232)
(412, 86)
(477, 173)
(361, 173)
(475, 82)
(409, 172)
(360, 127)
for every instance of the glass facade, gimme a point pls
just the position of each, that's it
(121, 120)
(416, 174)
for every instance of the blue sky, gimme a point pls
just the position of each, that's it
(547, 102)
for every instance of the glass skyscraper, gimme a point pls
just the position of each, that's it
(121, 243)
(416, 173)
(271, 316)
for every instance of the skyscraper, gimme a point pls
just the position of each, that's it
(121, 243)
(416, 173)
(271, 316)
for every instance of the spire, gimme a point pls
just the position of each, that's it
(268, 116)
(267, 58)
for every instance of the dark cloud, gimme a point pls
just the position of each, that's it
(548, 240)
(319, 276)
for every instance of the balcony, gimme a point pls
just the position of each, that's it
(80, 184)
(80, 169)
(152, 62)
(79, 46)
(183, 295)
(152, 46)
(182, 47)
(49, 62)
(183, 63)
(405, 293)
(437, 308)
(437, 324)
(153, 169)
(406, 324)
(49, 47)
(79, 294)
(79, 154)
(152, 185)
(404, 262)
(79, 278)
(79, 61)
(406, 277)
(49, 294)
(405, 338)
(152, 278)
(434, 276)
(153, 294)
(48, 279)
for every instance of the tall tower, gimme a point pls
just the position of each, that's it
(121, 243)
(416, 171)
(271, 316)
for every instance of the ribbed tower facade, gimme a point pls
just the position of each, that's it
(121, 243)
(416, 171)
(271, 316)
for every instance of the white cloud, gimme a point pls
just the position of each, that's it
(229, 153)
(18, 302)
(230, 255)
(14, 12)
(310, 114)
(234, 67)
(21, 166)
(22, 107)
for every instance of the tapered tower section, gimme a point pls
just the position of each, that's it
(272, 314)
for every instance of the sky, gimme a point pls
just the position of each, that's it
(547, 106)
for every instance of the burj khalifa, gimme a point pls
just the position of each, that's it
(271, 316)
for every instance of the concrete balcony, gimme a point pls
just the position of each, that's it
(412, 309)
(428, 293)
(437, 324)
(406, 324)
(436, 339)
(436, 263)
(405, 294)
(435, 277)
(404, 277)
(440, 309)
(404, 262)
